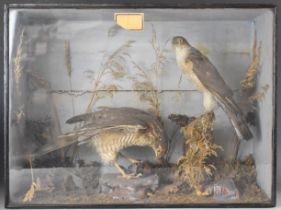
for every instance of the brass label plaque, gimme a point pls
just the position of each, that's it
(129, 21)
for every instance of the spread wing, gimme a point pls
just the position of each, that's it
(208, 75)
(108, 121)
(108, 116)
(87, 135)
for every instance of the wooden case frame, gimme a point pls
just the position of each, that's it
(6, 5)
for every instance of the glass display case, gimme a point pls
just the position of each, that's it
(126, 106)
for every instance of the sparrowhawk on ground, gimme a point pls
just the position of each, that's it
(110, 130)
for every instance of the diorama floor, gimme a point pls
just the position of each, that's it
(66, 188)
(158, 198)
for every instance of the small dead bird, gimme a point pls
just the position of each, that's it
(110, 130)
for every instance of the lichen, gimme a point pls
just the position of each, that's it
(194, 166)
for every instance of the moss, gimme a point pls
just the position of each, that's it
(194, 167)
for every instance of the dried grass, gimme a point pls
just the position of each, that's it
(194, 166)
(160, 58)
(18, 62)
(146, 90)
(68, 65)
(113, 30)
(249, 81)
(67, 57)
(20, 114)
(35, 186)
(248, 84)
(258, 96)
(114, 65)
(143, 82)
(67, 62)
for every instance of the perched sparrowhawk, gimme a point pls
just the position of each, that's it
(207, 80)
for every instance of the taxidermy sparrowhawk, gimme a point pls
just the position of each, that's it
(110, 130)
(207, 80)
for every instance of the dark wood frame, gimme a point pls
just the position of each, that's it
(85, 4)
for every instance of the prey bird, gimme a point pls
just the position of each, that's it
(109, 130)
(204, 75)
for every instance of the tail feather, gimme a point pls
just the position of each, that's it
(60, 143)
(80, 136)
(236, 117)
(80, 118)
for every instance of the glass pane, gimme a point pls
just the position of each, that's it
(178, 112)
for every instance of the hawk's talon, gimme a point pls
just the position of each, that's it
(131, 160)
(138, 175)
(124, 174)
(130, 176)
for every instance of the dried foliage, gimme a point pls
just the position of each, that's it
(67, 62)
(34, 187)
(67, 57)
(37, 185)
(249, 81)
(20, 114)
(106, 91)
(113, 30)
(248, 84)
(146, 90)
(258, 96)
(160, 58)
(68, 65)
(37, 80)
(18, 62)
(195, 165)
(143, 82)
(114, 65)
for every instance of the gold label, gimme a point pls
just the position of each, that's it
(129, 21)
